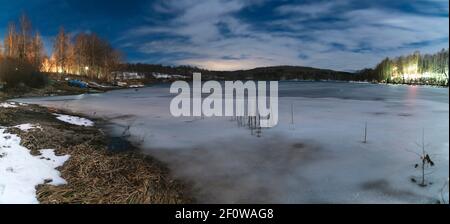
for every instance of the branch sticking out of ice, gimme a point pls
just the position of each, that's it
(21, 172)
(74, 120)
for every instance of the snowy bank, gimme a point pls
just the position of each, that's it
(21, 172)
(8, 105)
(92, 170)
(74, 120)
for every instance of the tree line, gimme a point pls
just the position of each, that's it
(23, 57)
(22, 54)
(415, 68)
(85, 54)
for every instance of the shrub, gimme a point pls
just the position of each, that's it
(15, 72)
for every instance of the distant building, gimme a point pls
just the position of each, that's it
(122, 76)
(157, 75)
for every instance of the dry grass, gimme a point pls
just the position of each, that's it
(97, 177)
(93, 174)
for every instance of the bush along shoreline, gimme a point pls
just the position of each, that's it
(91, 172)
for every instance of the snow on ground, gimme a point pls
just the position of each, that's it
(74, 120)
(27, 127)
(8, 105)
(21, 172)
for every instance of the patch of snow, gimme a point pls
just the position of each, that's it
(21, 172)
(136, 86)
(74, 120)
(27, 127)
(8, 105)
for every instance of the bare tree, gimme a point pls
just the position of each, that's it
(61, 50)
(21, 44)
(1, 51)
(25, 37)
(10, 42)
(95, 57)
(36, 53)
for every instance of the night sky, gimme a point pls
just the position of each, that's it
(228, 35)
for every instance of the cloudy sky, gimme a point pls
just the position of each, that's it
(239, 34)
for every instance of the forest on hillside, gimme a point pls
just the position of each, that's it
(263, 73)
(415, 68)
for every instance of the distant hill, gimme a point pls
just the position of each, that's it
(286, 73)
(263, 73)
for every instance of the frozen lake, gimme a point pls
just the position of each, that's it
(319, 159)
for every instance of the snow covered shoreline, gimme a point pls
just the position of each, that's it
(21, 172)
(37, 158)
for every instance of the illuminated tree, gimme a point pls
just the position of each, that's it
(413, 68)
(36, 53)
(24, 37)
(94, 57)
(11, 41)
(61, 51)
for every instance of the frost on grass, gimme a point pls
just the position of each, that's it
(21, 172)
(74, 120)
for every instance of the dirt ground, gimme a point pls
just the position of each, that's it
(95, 174)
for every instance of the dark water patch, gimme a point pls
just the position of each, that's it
(378, 113)
(396, 105)
(298, 146)
(119, 144)
(122, 117)
(385, 188)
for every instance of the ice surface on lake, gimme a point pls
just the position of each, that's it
(319, 159)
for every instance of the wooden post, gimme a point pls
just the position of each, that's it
(292, 113)
(423, 157)
(365, 133)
